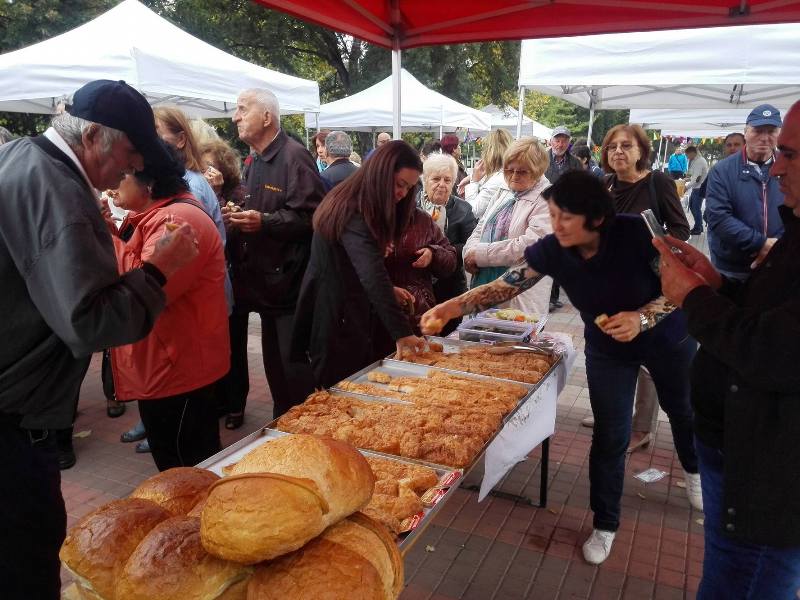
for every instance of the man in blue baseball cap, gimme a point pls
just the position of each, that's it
(742, 199)
(63, 299)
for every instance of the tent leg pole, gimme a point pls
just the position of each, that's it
(591, 123)
(396, 107)
(520, 108)
(306, 128)
(658, 154)
(441, 132)
(316, 121)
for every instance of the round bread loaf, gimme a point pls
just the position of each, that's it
(178, 489)
(170, 563)
(355, 559)
(341, 472)
(258, 516)
(250, 519)
(97, 548)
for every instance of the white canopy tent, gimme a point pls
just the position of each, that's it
(722, 67)
(163, 62)
(423, 110)
(507, 117)
(727, 119)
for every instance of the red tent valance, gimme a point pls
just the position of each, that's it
(427, 22)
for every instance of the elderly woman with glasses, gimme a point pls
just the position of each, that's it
(452, 215)
(516, 218)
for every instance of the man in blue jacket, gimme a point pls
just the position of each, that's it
(742, 199)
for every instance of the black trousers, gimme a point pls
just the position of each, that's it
(290, 382)
(183, 430)
(34, 516)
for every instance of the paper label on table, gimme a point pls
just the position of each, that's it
(534, 422)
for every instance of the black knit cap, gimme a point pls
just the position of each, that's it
(117, 105)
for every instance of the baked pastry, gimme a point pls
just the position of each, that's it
(527, 367)
(281, 495)
(398, 490)
(178, 489)
(170, 563)
(97, 548)
(356, 559)
(438, 434)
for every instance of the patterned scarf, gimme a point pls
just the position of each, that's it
(496, 230)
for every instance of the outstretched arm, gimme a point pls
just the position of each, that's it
(509, 285)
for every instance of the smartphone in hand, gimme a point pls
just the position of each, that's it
(656, 228)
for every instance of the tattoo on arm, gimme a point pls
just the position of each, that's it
(510, 284)
(656, 311)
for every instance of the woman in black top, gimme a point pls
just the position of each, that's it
(605, 263)
(347, 302)
(633, 186)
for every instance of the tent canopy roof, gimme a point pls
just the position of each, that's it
(507, 117)
(423, 110)
(410, 23)
(163, 62)
(738, 66)
(725, 120)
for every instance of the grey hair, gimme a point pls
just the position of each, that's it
(338, 144)
(72, 128)
(267, 100)
(438, 162)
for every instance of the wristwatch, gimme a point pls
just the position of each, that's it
(644, 321)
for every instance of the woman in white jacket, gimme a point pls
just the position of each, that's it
(516, 218)
(487, 178)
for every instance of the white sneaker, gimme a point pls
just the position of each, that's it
(693, 490)
(597, 548)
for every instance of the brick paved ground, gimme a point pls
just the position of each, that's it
(497, 549)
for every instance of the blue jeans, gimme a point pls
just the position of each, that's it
(735, 570)
(696, 208)
(612, 385)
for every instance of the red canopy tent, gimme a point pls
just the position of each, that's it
(400, 24)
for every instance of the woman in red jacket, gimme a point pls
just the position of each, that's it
(171, 372)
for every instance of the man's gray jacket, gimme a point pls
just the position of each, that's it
(62, 296)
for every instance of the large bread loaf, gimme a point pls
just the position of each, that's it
(97, 548)
(170, 563)
(355, 559)
(281, 495)
(178, 489)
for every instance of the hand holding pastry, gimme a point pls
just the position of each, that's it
(248, 221)
(174, 250)
(409, 345)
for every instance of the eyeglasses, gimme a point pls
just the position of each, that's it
(515, 172)
(624, 146)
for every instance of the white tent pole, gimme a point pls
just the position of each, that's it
(306, 128)
(658, 154)
(664, 157)
(591, 121)
(316, 121)
(396, 108)
(521, 107)
(441, 132)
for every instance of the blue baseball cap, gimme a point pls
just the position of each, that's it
(117, 105)
(764, 114)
